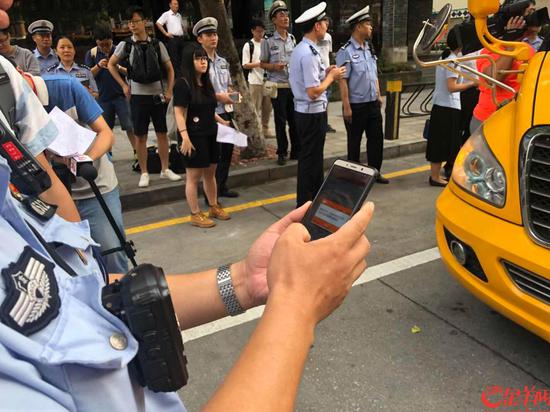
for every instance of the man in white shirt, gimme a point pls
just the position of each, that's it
(175, 32)
(251, 61)
(325, 47)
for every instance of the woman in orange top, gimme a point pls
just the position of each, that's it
(485, 106)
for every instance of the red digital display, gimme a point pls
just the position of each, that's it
(12, 151)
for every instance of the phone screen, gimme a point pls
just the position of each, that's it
(342, 194)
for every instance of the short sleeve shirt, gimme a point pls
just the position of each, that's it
(442, 97)
(136, 88)
(256, 75)
(200, 119)
(173, 22)
(307, 70)
(275, 49)
(485, 106)
(81, 73)
(66, 361)
(361, 71)
(220, 78)
(109, 89)
(46, 61)
(71, 97)
(35, 128)
(25, 60)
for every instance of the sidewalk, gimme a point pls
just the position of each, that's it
(256, 172)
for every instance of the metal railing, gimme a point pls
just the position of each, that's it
(422, 109)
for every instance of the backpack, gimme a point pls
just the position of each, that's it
(251, 47)
(145, 65)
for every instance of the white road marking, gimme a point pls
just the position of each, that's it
(370, 274)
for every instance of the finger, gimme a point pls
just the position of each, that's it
(349, 233)
(4, 20)
(293, 217)
(298, 231)
(360, 250)
(358, 270)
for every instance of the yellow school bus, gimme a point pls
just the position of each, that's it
(493, 218)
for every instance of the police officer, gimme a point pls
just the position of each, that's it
(309, 80)
(41, 32)
(274, 58)
(60, 350)
(206, 32)
(360, 92)
(67, 65)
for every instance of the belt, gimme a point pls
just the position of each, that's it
(283, 85)
(310, 108)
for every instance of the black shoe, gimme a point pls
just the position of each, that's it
(228, 193)
(382, 180)
(436, 183)
(281, 161)
(330, 129)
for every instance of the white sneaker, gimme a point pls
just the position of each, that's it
(144, 180)
(168, 174)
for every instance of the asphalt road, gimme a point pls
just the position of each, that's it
(366, 356)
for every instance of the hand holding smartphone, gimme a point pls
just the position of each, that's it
(342, 194)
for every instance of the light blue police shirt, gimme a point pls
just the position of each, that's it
(220, 77)
(307, 70)
(69, 363)
(79, 72)
(361, 71)
(46, 62)
(275, 49)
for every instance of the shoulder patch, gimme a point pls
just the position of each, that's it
(315, 52)
(32, 296)
(268, 35)
(52, 67)
(345, 45)
(85, 67)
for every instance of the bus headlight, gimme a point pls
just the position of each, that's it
(478, 172)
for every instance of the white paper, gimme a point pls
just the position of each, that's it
(227, 134)
(72, 139)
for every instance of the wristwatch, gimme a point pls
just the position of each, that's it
(227, 291)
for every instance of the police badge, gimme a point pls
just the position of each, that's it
(32, 295)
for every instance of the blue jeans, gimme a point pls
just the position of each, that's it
(101, 229)
(118, 106)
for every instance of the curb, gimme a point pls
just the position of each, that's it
(262, 172)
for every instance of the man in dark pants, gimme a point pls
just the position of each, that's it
(206, 32)
(360, 92)
(175, 32)
(275, 55)
(309, 80)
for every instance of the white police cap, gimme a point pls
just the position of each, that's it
(361, 15)
(277, 6)
(208, 24)
(40, 26)
(316, 13)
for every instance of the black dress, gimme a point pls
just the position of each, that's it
(201, 124)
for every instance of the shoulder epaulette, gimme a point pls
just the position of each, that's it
(84, 66)
(315, 52)
(52, 67)
(345, 45)
(268, 35)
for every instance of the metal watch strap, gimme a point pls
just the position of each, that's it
(227, 291)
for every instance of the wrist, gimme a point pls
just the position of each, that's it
(297, 312)
(238, 277)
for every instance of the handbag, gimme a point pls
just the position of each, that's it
(270, 89)
(426, 131)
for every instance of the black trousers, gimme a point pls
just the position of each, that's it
(175, 48)
(312, 130)
(226, 153)
(366, 118)
(283, 112)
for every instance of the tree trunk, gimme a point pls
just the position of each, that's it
(245, 113)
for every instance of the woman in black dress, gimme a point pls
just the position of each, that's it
(196, 118)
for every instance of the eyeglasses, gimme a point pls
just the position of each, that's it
(134, 22)
(201, 58)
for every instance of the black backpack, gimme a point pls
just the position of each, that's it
(145, 65)
(251, 47)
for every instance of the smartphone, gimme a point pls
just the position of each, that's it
(342, 194)
(235, 97)
(85, 83)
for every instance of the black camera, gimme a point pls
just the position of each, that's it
(159, 99)
(141, 299)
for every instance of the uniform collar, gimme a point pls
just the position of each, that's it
(38, 54)
(357, 45)
(311, 43)
(61, 67)
(277, 35)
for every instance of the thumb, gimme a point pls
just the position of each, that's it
(299, 232)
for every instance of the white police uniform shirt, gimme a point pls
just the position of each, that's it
(361, 71)
(79, 71)
(220, 77)
(307, 70)
(59, 349)
(442, 97)
(277, 50)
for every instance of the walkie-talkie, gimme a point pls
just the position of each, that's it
(27, 175)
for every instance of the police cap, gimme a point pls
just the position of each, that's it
(316, 13)
(208, 24)
(360, 16)
(277, 6)
(40, 26)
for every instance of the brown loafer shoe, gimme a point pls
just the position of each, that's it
(201, 220)
(218, 212)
